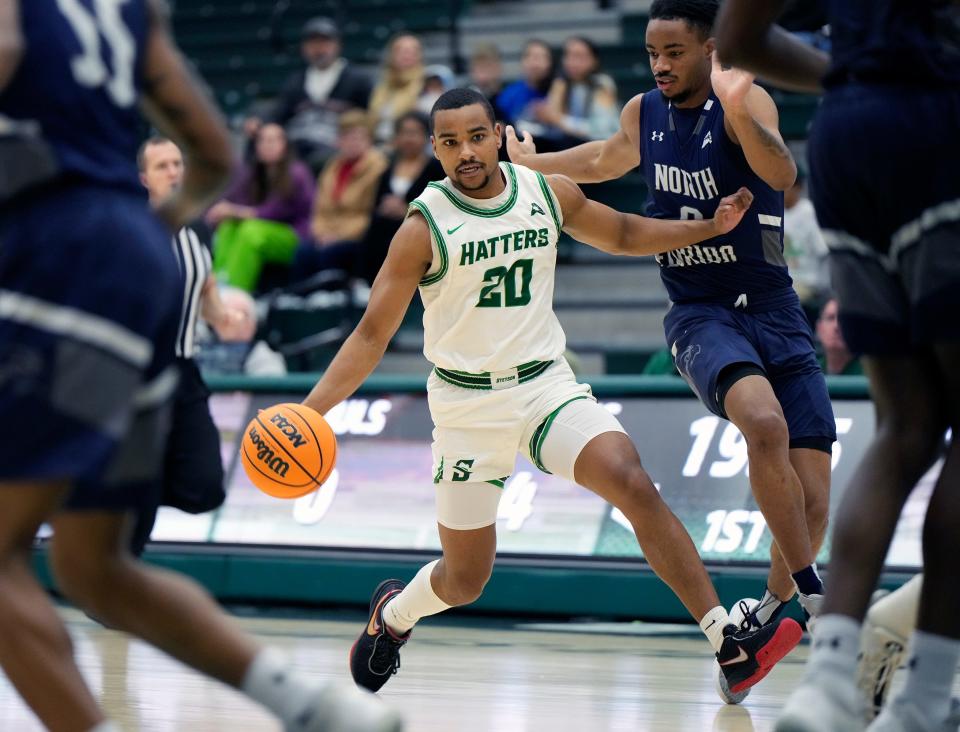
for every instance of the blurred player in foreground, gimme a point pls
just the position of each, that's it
(892, 99)
(89, 308)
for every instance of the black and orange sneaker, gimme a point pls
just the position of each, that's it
(375, 656)
(747, 656)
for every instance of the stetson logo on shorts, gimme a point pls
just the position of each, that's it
(687, 357)
(267, 456)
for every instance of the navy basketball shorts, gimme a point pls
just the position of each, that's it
(89, 306)
(886, 187)
(707, 340)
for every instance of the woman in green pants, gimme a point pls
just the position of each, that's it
(264, 215)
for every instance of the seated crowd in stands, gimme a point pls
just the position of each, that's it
(804, 247)
(581, 104)
(313, 99)
(517, 100)
(336, 159)
(265, 213)
(344, 200)
(834, 354)
(399, 86)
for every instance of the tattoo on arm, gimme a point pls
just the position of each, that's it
(771, 143)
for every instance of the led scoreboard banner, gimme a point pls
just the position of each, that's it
(381, 496)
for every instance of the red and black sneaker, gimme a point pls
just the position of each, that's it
(375, 656)
(747, 656)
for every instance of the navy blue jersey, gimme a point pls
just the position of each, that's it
(79, 81)
(900, 42)
(689, 164)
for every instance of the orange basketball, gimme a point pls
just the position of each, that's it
(288, 450)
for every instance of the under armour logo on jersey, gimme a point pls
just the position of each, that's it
(657, 137)
(707, 140)
(535, 209)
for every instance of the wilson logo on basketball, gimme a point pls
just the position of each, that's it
(295, 443)
(266, 455)
(289, 430)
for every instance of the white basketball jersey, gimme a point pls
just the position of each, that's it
(488, 296)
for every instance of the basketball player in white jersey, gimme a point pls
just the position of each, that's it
(481, 246)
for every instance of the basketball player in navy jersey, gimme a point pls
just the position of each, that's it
(89, 302)
(884, 151)
(736, 329)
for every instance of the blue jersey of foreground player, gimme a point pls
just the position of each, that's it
(892, 220)
(690, 163)
(79, 81)
(908, 43)
(89, 290)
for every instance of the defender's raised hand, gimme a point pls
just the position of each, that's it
(731, 85)
(516, 148)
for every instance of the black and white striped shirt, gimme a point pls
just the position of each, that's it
(193, 258)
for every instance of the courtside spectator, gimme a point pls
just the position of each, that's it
(412, 166)
(835, 357)
(804, 247)
(312, 99)
(582, 102)
(537, 65)
(398, 87)
(486, 74)
(264, 214)
(437, 79)
(344, 200)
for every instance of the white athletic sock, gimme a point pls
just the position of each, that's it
(933, 661)
(836, 645)
(106, 726)
(417, 600)
(271, 681)
(712, 625)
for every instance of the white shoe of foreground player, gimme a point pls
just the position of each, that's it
(881, 653)
(831, 703)
(741, 615)
(902, 715)
(346, 708)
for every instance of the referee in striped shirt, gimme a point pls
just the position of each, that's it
(192, 469)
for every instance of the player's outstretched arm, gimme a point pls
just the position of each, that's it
(180, 108)
(751, 120)
(592, 162)
(11, 40)
(747, 37)
(616, 232)
(408, 259)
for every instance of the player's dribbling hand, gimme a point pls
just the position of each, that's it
(516, 148)
(731, 210)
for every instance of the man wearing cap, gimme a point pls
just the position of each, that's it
(312, 100)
